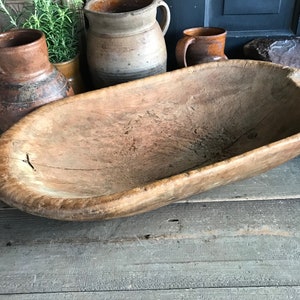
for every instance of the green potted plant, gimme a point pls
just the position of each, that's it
(62, 25)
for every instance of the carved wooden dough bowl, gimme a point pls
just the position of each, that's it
(137, 146)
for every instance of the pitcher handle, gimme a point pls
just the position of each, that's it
(181, 49)
(166, 16)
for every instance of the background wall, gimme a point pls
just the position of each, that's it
(244, 20)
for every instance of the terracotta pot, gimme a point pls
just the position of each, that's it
(200, 45)
(27, 78)
(124, 40)
(71, 70)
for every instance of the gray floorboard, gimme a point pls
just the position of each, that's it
(201, 248)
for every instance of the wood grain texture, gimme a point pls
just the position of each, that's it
(266, 186)
(141, 145)
(223, 245)
(282, 182)
(273, 293)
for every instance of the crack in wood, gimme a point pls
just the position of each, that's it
(27, 160)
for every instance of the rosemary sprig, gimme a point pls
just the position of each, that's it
(60, 23)
(61, 27)
(12, 16)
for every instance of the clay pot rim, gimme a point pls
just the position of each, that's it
(18, 32)
(76, 57)
(138, 11)
(207, 32)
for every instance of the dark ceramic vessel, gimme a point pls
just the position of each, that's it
(27, 78)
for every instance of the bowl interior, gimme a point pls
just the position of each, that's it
(115, 139)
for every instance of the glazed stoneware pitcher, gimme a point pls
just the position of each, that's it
(200, 45)
(27, 78)
(124, 40)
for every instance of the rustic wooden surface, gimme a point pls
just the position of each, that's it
(214, 245)
(135, 147)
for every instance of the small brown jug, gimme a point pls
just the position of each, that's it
(71, 70)
(200, 45)
(27, 78)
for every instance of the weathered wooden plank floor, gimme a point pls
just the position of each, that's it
(216, 245)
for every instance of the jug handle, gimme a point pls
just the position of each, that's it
(166, 16)
(181, 49)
